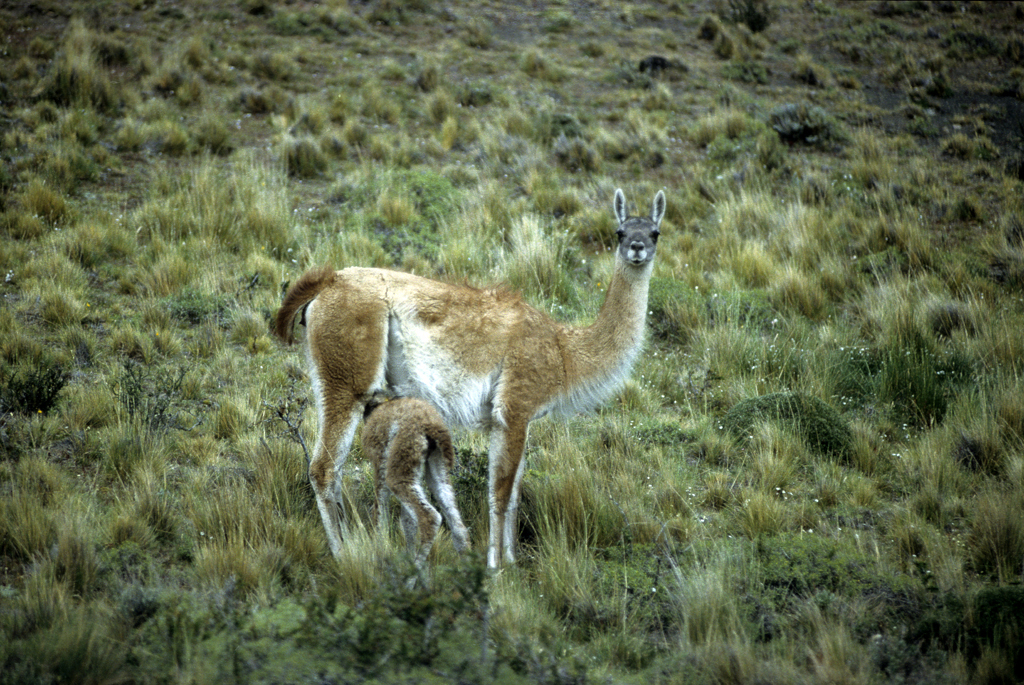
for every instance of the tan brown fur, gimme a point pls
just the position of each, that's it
(483, 357)
(408, 444)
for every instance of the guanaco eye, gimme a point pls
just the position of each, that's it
(654, 235)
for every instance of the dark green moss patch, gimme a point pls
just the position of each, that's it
(795, 566)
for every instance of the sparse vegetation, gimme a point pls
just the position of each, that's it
(814, 474)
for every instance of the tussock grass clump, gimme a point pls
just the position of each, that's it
(76, 79)
(757, 515)
(22, 225)
(720, 490)
(676, 311)
(170, 138)
(60, 307)
(67, 641)
(43, 201)
(958, 145)
(29, 528)
(378, 106)
(996, 541)
(89, 407)
(810, 72)
(91, 243)
(171, 273)
(537, 64)
(212, 134)
(709, 28)
(273, 66)
(795, 292)
(775, 456)
(711, 621)
(77, 560)
(915, 377)
(535, 262)
(729, 122)
(478, 33)
(303, 158)
(229, 421)
(265, 101)
(132, 452)
(945, 318)
(575, 507)
(724, 45)
(441, 106)
(244, 209)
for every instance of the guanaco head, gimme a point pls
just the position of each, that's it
(638, 235)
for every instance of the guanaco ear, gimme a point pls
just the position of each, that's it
(658, 211)
(620, 206)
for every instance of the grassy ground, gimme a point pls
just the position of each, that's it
(816, 473)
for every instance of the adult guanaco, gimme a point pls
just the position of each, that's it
(483, 357)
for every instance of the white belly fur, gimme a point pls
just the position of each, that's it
(416, 366)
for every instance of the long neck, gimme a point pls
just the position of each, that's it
(599, 357)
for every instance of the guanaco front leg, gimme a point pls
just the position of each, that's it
(504, 475)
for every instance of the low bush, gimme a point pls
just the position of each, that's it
(809, 124)
(32, 390)
(818, 423)
(756, 14)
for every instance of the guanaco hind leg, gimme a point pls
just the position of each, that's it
(334, 441)
(439, 482)
(420, 519)
(341, 392)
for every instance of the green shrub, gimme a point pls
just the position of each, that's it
(756, 14)
(818, 423)
(970, 45)
(808, 124)
(746, 71)
(577, 155)
(33, 390)
(153, 396)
